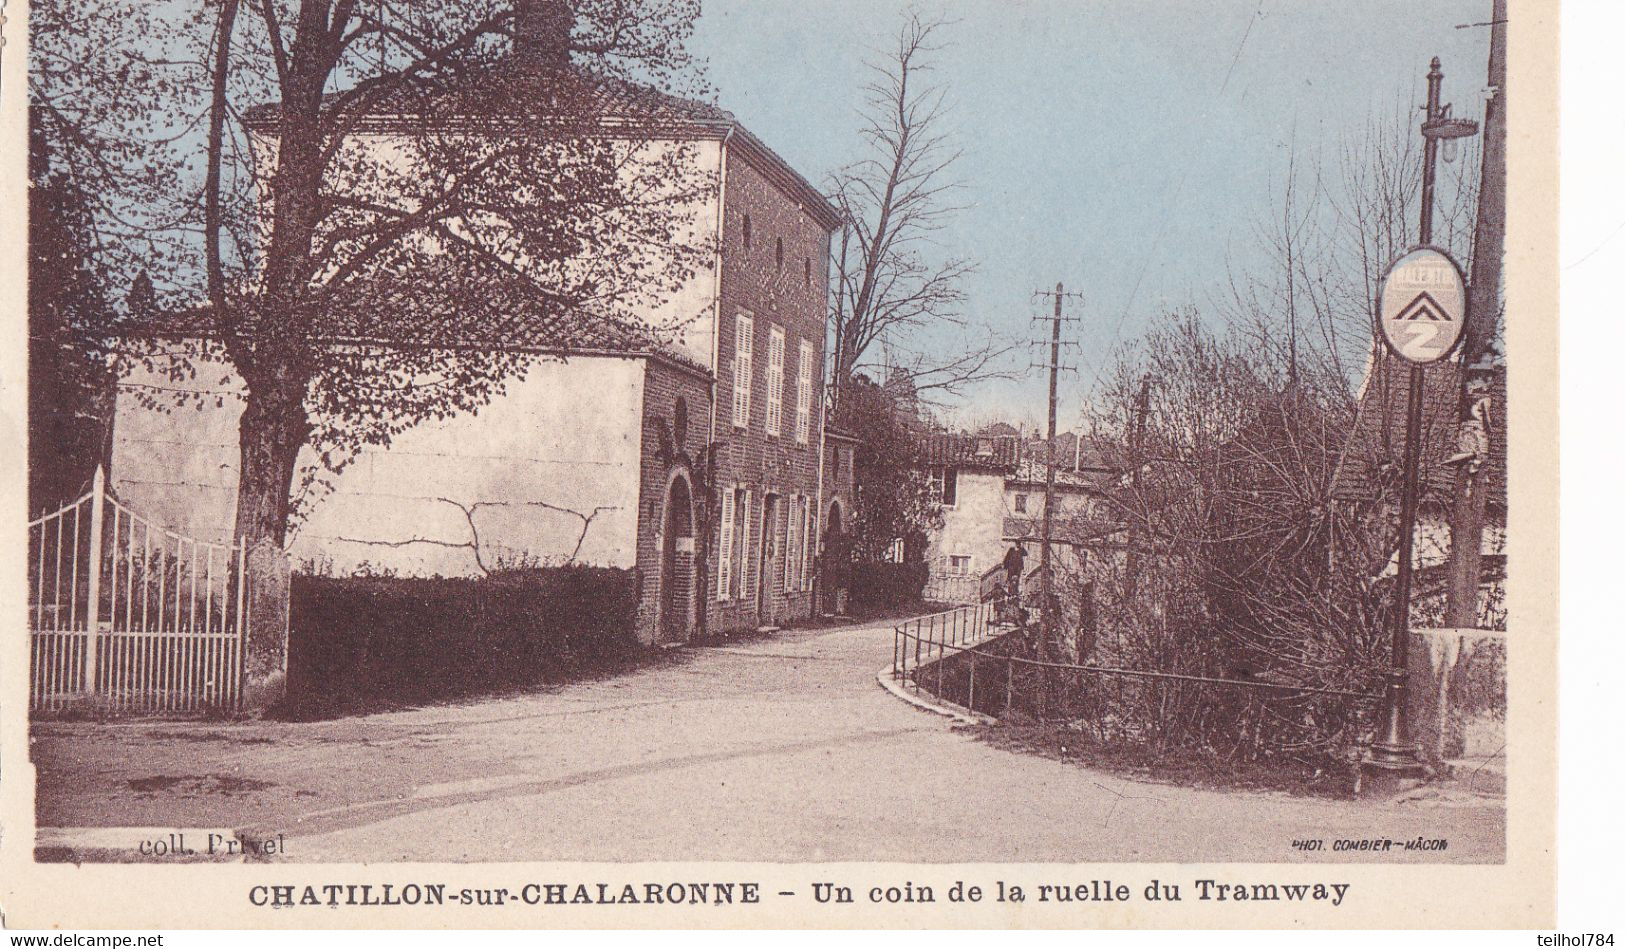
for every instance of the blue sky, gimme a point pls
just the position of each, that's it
(1125, 148)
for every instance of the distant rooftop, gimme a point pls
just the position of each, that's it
(1371, 463)
(1032, 471)
(987, 452)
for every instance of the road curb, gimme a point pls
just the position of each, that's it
(958, 713)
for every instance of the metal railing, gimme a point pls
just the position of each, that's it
(930, 638)
(947, 654)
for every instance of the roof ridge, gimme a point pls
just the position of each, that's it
(696, 115)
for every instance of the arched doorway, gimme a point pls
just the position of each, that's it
(837, 555)
(677, 563)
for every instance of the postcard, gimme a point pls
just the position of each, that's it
(709, 463)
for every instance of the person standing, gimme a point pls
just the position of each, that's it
(1014, 560)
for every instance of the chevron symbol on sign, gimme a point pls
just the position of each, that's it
(1424, 307)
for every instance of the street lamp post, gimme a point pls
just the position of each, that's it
(1394, 751)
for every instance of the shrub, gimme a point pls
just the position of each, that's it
(881, 586)
(367, 642)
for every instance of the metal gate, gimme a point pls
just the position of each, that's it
(129, 616)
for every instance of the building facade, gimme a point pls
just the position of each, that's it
(992, 495)
(767, 423)
(585, 460)
(691, 454)
(1369, 475)
(839, 485)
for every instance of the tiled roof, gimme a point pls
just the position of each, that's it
(1371, 462)
(432, 313)
(628, 107)
(990, 453)
(510, 90)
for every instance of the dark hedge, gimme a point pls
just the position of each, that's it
(363, 643)
(882, 586)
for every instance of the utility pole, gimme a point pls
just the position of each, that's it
(1048, 622)
(1483, 296)
(1142, 407)
(1393, 749)
(1046, 583)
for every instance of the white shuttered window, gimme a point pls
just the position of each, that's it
(747, 557)
(804, 387)
(792, 546)
(744, 359)
(810, 554)
(725, 547)
(775, 380)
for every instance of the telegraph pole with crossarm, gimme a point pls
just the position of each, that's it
(1047, 617)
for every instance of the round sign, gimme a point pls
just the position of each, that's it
(1422, 307)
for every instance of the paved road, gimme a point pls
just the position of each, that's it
(780, 750)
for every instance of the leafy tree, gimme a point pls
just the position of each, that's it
(392, 196)
(893, 493)
(69, 389)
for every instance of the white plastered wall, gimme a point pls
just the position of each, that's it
(682, 319)
(545, 474)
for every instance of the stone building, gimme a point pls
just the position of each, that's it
(1369, 475)
(991, 490)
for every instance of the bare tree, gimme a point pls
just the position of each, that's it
(1235, 560)
(1223, 565)
(892, 284)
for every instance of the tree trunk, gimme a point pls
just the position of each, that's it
(274, 424)
(1489, 239)
(271, 432)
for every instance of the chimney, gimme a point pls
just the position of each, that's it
(541, 32)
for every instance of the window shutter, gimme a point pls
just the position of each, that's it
(775, 380)
(744, 357)
(804, 563)
(725, 546)
(746, 560)
(804, 377)
(792, 547)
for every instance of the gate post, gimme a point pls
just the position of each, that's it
(93, 606)
(265, 638)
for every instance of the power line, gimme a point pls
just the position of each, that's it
(1162, 225)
